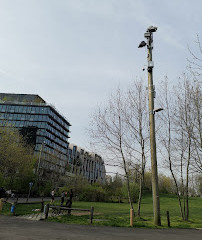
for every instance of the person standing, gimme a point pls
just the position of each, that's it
(52, 196)
(62, 197)
(69, 201)
(71, 196)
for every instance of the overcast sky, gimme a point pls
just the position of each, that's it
(73, 53)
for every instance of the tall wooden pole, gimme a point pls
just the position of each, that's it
(151, 90)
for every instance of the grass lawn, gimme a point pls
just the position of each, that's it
(117, 214)
(21, 209)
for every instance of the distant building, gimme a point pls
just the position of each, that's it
(48, 131)
(108, 179)
(86, 164)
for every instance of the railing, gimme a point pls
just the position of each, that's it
(60, 210)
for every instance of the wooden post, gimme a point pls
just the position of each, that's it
(16, 199)
(168, 218)
(1, 204)
(47, 210)
(42, 205)
(131, 217)
(91, 215)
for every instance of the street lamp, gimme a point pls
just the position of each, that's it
(156, 201)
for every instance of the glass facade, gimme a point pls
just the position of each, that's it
(47, 129)
(89, 165)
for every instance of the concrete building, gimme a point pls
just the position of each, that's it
(86, 164)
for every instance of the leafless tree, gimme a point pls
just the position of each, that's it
(195, 68)
(181, 135)
(185, 124)
(120, 128)
(136, 117)
(195, 101)
(167, 135)
(109, 131)
(195, 59)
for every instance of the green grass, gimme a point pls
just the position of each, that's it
(117, 214)
(21, 209)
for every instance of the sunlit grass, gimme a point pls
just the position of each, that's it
(117, 214)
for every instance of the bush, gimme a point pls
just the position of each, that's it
(93, 193)
(134, 189)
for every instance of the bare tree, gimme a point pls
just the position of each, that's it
(109, 131)
(167, 135)
(121, 128)
(136, 118)
(196, 98)
(195, 60)
(181, 135)
(184, 122)
(195, 68)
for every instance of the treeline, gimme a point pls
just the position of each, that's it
(115, 188)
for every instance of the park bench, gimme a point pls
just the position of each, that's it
(63, 210)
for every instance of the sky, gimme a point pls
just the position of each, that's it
(73, 53)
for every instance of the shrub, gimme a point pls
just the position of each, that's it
(93, 193)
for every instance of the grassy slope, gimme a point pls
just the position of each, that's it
(115, 214)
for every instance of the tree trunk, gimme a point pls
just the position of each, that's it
(187, 181)
(127, 179)
(140, 196)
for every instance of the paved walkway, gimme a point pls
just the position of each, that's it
(31, 200)
(34, 216)
(12, 228)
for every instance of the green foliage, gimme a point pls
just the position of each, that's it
(147, 181)
(199, 184)
(42, 189)
(76, 183)
(16, 160)
(134, 189)
(84, 191)
(114, 188)
(166, 184)
(93, 193)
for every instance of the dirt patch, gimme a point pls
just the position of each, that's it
(82, 213)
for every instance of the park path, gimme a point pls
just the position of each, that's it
(12, 228)
(31, 200)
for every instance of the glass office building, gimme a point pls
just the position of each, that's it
(42, 125)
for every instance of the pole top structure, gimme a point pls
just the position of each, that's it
(151, 92)
(149, 36)
(152, 29)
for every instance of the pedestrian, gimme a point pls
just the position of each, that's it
(69, 199)
(71, 195)
(52, 196)
(62, 197)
